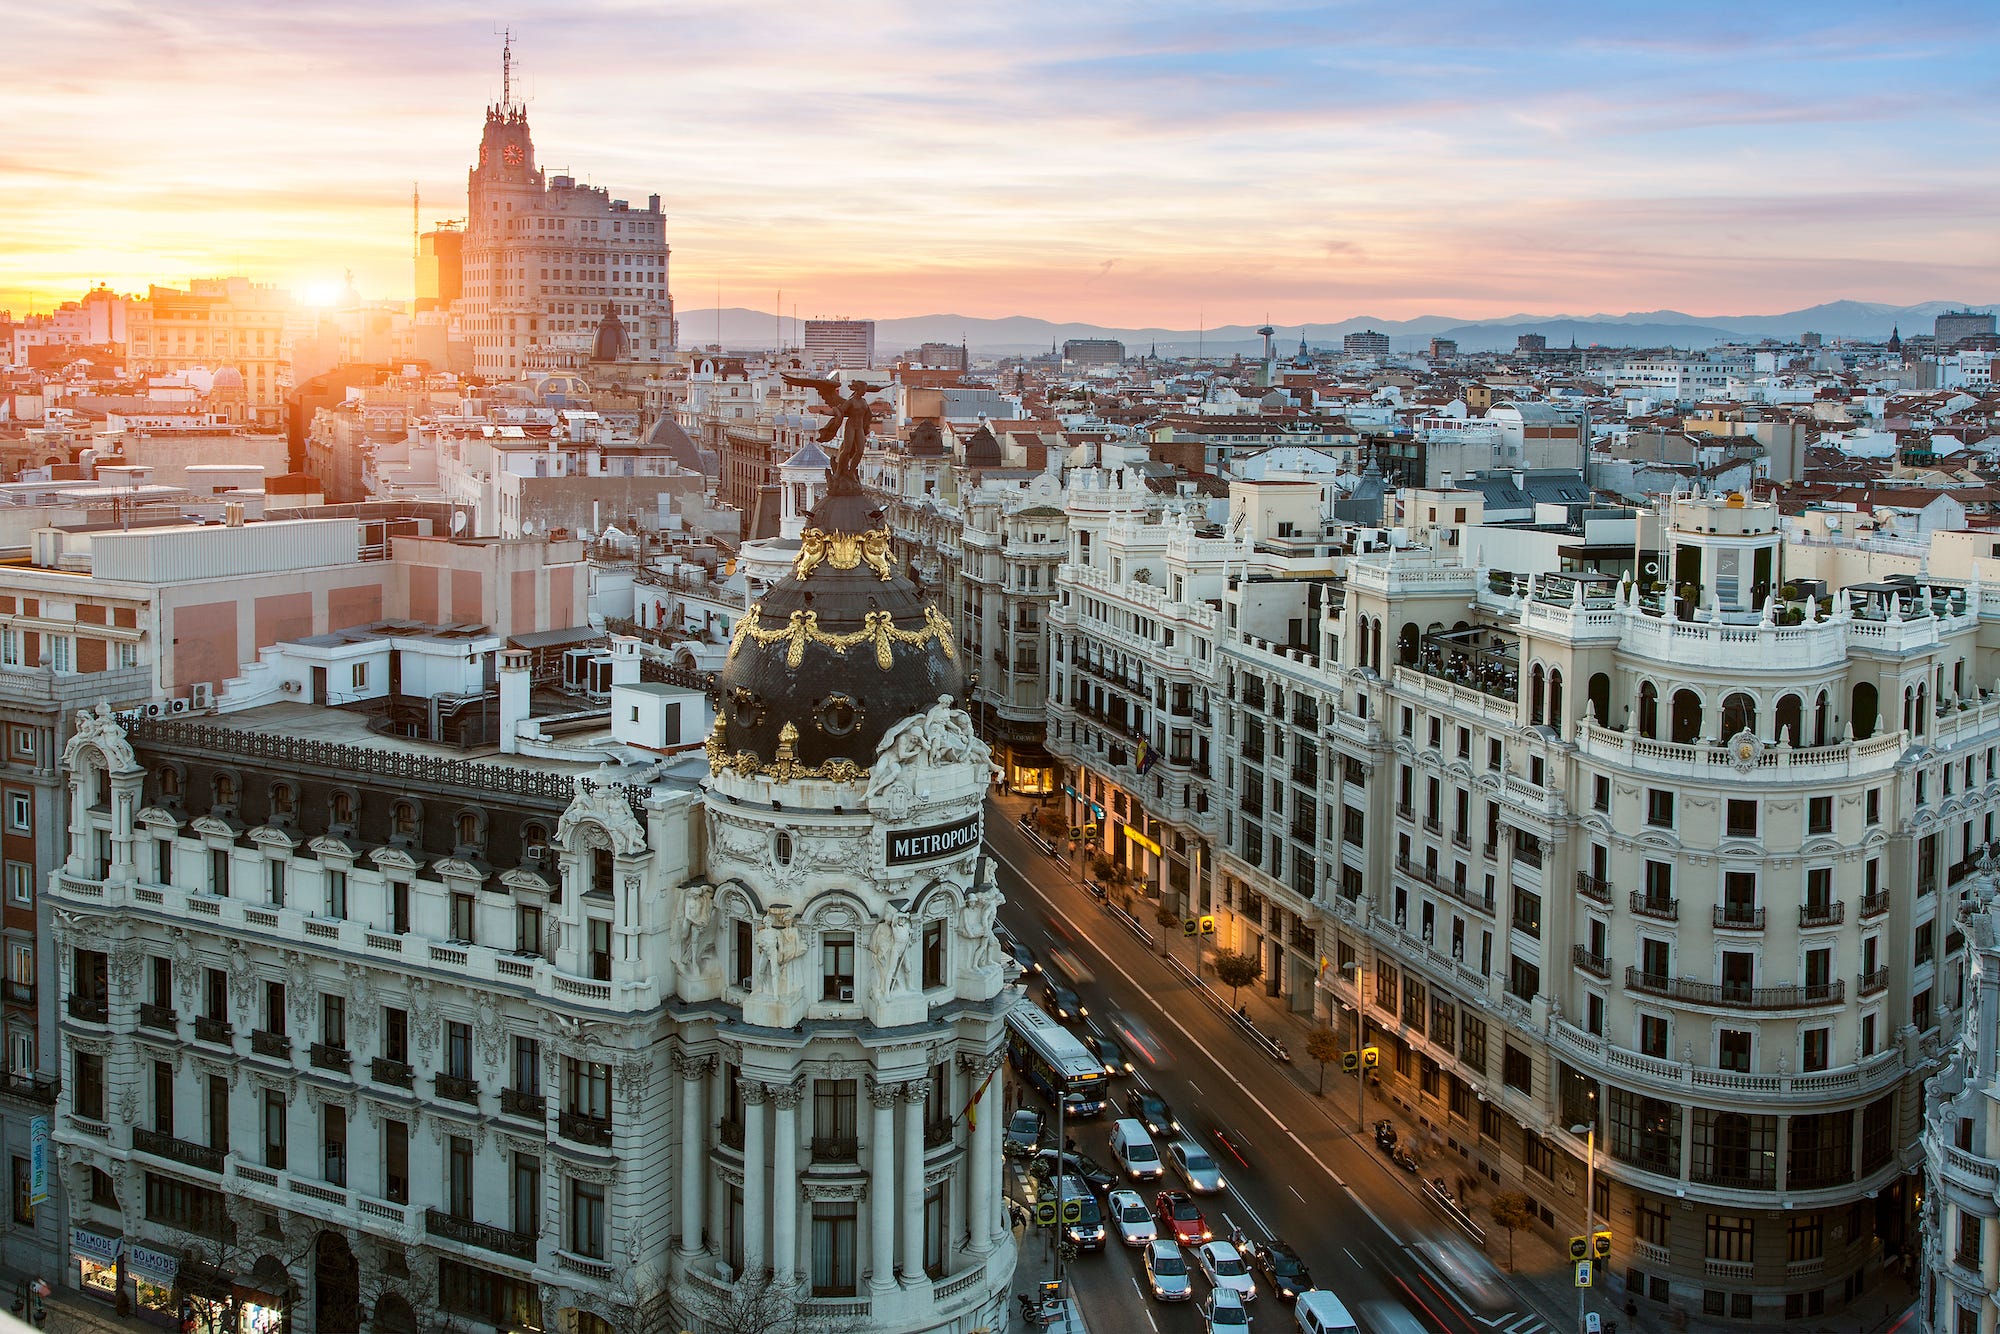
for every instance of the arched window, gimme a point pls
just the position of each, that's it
(1819, 719)
(342, 807)
(170, 783)
(283, 802)
(225, 790)
(470, 835)
(781, 848)
(1686, 718)
(1739, 714)
(1600, 698)
(1649, 710)
(1864, 710)
(1406, 644)
(403, 819)
(1556, 698)
(1535, 686)
(1785, 722)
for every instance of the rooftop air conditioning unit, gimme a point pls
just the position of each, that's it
(289, 687)
(203, 694)
(177, 706)
(847, 993)
(156, 710)
(535, 853)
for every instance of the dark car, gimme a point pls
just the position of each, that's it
(1107, 1051)
(1043, 1165)
(1151, 1110)
(1015, 950)
(1063, 1003)
(1280, 1265)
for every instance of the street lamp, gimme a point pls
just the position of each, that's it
(1589, 1196)
(1353, 967)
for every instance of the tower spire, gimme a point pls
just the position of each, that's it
(506, 69)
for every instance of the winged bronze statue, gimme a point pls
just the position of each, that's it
(849, 418)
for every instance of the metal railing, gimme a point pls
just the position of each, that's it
(1736, 917)
(1661, 909)
(486, 1236)
(1732, 995)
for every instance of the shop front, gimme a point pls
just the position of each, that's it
(93, 1257)
(260, 1298)
(151, 1275)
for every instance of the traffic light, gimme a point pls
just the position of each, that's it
(1207, 924)
(1371, 1057)
(1583, 1273)
(1600, 1244)
(1579, 1248)
(1350, 1061)
(1045, 1213)
(1072, 1211)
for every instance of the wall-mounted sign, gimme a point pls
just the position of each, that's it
(929, 844)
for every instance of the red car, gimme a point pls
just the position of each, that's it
(1180, 1218)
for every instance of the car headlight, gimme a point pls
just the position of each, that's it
(1206, 1235)
(1219, 1182)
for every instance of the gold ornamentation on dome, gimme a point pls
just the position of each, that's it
(788, 743)
(785, 769)
(843, 551)
(877, 628)
(718, 750)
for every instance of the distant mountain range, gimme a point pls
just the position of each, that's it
(1023, 334)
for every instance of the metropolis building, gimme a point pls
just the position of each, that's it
(1679, 859)
(652, 1036)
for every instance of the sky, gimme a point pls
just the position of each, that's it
(1126, 164)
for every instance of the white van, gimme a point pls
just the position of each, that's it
(1321, 1313)
(1134, 1150)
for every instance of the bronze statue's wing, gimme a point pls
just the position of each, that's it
(828, 389)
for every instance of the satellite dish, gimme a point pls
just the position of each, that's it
(527, 527)
(458, 520)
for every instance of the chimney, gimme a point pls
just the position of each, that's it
(232, 514)
(515, 680)
(624, 660)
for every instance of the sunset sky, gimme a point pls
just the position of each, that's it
(1124, 164)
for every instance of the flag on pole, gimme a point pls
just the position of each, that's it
(971, 1109)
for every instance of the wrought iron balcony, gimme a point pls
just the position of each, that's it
(275, 1045)
(1655, 906)
(324, 1057)
(592, 1130)
(1595, 964)
(1871, 982)
(396, 1073)
(486, 1236)
(217, 1031)
(1874, 905)
(1736, 996)
(20, 993)
(529, 1106)
(90, 1009)
(1822, 914)
(456, 1088)
(835, 1148)
(198, 1156)
(1738, 917)
(1593, 887)
(161, 1017)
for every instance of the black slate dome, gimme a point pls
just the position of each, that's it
(833, 655)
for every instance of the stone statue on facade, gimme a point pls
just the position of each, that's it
(889, 943)
(695, 945)
(975, 922)
(780, 945)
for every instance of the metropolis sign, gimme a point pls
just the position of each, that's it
(929, 844)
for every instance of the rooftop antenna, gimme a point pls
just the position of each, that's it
(416, 227)
(506, 68)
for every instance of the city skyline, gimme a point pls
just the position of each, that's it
(1221, 164)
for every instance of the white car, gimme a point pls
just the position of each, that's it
(1196, 1167)
(1167, 1272)
(1134, 1219)
(1224, 1268)
(1226, 1313)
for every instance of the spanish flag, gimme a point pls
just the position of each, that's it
(971, 1109)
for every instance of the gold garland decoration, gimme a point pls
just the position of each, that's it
(843, 551)
(785, 769)
(877, 628)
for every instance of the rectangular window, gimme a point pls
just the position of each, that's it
(933, 956)
(274, 1007)
(742, 957)
(527, 1194)
(461, 919)
(1819, 819)
(457, 1049)
(1741, 820)
(1472, 1043)
(218, 1113)
(333, 1021)
(587, 1090)
(528, 929)
(1733, 1049)
(1874, 805)
(396, 1162)
(586, 1219)
(458, 1176)
(163, 860)
(274, 883)
(163, 1097)
(21, 884)
(1804, 1239)
(20, 812)
(1517, 1068)
(333, 1137)
(215, 994)
(836, 954)
(1729, 1238)
(218, 872)
(24, 1191)
(1600, 793)
(527, 1065)
(399, 907)
(336, 895)
(833, 1248)
(396, 1034)
(274, 1129)
(1659, 808)
(600, 949)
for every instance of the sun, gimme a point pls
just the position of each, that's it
(327, 293)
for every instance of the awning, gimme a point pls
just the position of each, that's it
(95, 1245)
(155, 1266)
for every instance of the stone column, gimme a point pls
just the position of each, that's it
(912, 1182)
(882, 1187)
(693, 1071)
(983, 1206)
(756, 1188)
(785, 1182)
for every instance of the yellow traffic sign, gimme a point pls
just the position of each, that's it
(1583, 1273)
(1072, 1211)
(1579, 1248)
(1350, 1061)
(1600, 1244)
(1371, 1057)
(1189, 926)
(1045, 1213)
(1207, 924)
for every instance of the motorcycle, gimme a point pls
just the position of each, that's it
(1404, 1159)
(1385, 1136)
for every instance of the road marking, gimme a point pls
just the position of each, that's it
(1350, 1258)
(1142, 1299)
(1191, 1084)
(1295, 1190)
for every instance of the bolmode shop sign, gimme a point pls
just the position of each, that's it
(933, 842)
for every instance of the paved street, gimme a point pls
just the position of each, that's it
(1292, 1172)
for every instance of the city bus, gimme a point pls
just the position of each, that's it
(1051, 1058)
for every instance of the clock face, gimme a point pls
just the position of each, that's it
(482, 155)
(511, 155)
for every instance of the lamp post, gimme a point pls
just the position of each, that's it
(1589, 1196)
(1353, 967)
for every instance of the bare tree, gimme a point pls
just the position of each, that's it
(756, 1306)
(1235, 969)
(1511, 1209)
(1166, 919)
(1323, 1045)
